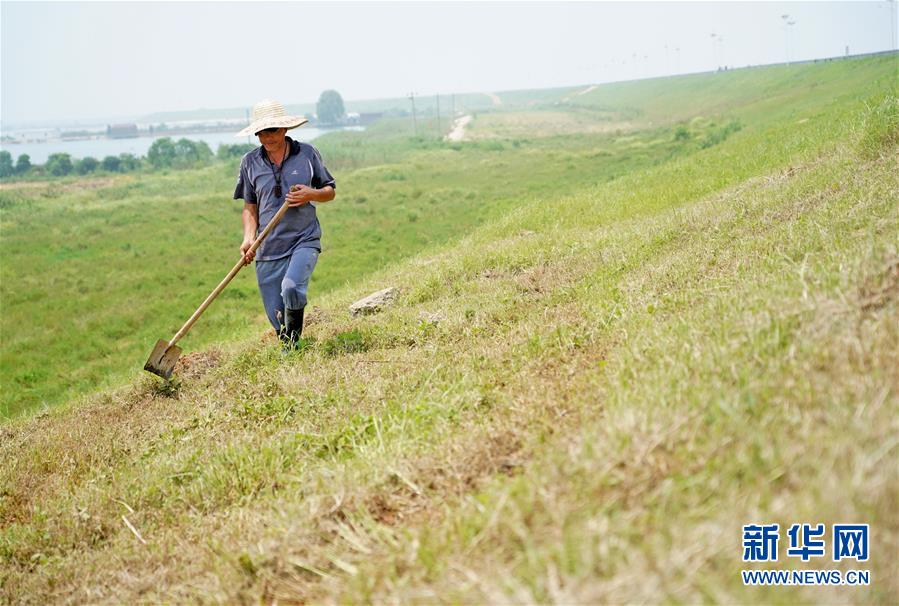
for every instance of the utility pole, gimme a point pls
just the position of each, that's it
(785, 17)
(788, 23)
(438, 113)
(894, 24)
(414, 119)
(714, 58)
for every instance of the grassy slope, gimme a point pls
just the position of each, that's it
(696, 344)
(752, 96)
(96, 271)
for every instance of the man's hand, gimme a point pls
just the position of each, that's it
(245, 252)
(300, 195)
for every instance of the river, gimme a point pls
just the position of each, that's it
(38, 152)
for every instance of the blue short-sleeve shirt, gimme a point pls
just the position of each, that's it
(256, 180)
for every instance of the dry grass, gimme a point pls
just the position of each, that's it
(81, 184)
(702, 424)
(524, 124)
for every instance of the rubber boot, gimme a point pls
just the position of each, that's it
(293, 327)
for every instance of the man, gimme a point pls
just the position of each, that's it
(280, 169)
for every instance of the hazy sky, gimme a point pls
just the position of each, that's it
(95, 60)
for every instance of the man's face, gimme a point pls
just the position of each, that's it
(272, 141)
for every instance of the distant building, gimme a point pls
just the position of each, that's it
(121, 131)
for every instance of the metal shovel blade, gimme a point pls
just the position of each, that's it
(163, 358)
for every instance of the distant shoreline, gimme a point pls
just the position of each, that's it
(101, 145)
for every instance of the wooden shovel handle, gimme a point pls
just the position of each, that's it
(230, 276)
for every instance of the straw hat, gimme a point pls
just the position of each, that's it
(270, 114)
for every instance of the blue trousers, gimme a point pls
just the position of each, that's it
(283, 283)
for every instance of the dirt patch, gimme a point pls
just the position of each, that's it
(540, 279)
(197, 364)
(315, 315)
(96, 183)
(433, 480)
(24, 185)
(384, 510)
(458, 132)
(881, 289)
(494, 274)
(495, 99)
(546, 123)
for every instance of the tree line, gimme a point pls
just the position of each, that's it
(165, 153)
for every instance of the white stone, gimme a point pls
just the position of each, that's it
(374, 302)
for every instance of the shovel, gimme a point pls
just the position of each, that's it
(164, 356)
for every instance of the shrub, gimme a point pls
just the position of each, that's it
(682, 133)
(720, 134)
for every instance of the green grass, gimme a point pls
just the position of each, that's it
(753, 96)
(97, 270)
(581, 399)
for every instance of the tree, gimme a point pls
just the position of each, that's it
(6, 168)
(112, 164)
(128, 163)
(236, 150)
(184, 153)
(203, 152)
(59, 164)
(191, 153)
(87, 165)
(330, 108)
(23, 164)
(162, 153)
